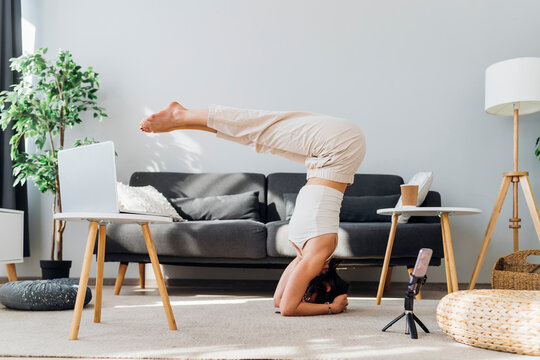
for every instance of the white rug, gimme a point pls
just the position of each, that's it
(216, 326)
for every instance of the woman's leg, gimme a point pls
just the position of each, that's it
(331, 148)
(176, 117)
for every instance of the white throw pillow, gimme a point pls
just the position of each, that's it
(145, 198)
(423, 179)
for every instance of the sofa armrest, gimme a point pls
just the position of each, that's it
(433, 199)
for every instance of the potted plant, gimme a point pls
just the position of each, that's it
(49, 98)
(537, 151)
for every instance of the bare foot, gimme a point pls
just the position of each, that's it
(169, 119)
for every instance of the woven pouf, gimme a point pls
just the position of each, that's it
(40, 295)
(505, 320)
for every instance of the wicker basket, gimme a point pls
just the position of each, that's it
(504, 320)
(513, 272)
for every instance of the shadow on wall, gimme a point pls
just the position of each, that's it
(175, 151)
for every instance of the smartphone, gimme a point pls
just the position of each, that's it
(422, 262)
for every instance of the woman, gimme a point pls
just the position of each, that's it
(331, 149)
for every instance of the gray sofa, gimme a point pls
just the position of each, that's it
(264, 244)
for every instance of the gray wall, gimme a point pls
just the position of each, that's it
(409, 73)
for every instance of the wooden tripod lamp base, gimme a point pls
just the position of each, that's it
(512, 87)
(521, 177)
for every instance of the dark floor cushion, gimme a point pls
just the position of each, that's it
(55, 294)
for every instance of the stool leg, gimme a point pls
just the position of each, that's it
(142, 275)
(388, 279)
(120, 278)
(11, 272)
(83, 282)
(159, 278)
(99, 273)
(450, 249)
(387, 259)
(446, 259)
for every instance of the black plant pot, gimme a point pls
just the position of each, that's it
(54, 269)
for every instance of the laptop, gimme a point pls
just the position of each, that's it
(87, 177)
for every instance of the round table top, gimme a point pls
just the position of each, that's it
(428, 211)
(116, 218)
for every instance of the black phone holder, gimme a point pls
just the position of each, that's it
(410, 328)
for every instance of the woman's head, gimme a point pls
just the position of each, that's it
(326, 286)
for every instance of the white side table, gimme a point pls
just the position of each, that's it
(103, 220)
(443, 213)
(12, 243)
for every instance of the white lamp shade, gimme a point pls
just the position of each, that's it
(514, 81)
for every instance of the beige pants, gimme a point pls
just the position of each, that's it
(331, 148)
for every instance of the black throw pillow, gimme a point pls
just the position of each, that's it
(353, 208)
(223, 207)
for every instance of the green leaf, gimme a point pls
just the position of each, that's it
(48, 99)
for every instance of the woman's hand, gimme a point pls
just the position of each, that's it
(340, 304)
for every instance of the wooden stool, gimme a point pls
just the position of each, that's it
(102, 220)
(443, 213)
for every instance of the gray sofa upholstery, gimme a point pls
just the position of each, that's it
(249, 243)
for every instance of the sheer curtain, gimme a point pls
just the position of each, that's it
(11, 46)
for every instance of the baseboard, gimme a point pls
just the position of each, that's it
(251, 284)
(262, 284)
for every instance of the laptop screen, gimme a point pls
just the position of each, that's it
(88, 178)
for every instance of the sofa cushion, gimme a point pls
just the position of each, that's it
(364, 208)
(364, 184)
(222, 207)
(146, 199)
(211, 239)
(353, 208)
(174, 185)
(366, 240)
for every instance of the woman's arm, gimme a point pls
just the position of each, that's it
(278, 294)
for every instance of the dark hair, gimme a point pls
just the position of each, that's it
(325, 287)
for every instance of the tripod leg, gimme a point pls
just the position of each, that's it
(393, 322)
(531, 203)
(412, 326)
(489, 232)
(421, 324)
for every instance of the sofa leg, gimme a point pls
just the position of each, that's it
(388, 279)
(419, 295)
(142, 274)
(120, 277)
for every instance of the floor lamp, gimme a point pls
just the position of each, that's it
(512, 88)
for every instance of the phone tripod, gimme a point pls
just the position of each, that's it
(414, 287)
